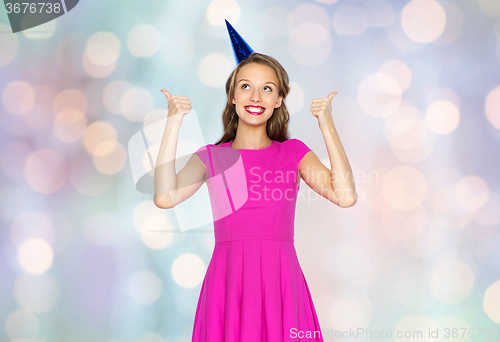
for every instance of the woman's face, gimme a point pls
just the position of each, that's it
(256, 93)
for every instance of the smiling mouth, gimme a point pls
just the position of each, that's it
(255, 110)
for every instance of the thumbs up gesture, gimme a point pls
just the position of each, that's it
(321, 109)
(177, 104)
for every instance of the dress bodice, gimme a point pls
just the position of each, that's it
(253, 193)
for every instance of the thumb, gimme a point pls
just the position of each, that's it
(167, 94)
(331, 95)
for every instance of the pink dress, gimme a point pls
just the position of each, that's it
(254, 288)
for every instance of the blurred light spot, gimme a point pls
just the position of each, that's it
(379, 95)
(454, 23)
(22, 324)
(326, 1)
(299, 25)
(477, 231)
(452, 281)
(350, 310)
(445, 202)
(70, 51)
(273, 22)
(310, 57)
(443, 94)
(41, 116)
(96, 134)
(308, 13)
(413, 328)
(12, 157)
(100, 229)
(214, 70)
(113, 93)
(35, 255)
(157, 231)
(362, 266)
(150, 337)
(36, 293)
(379, 13)
(491, 302)
(490, 7)
(9, 44)
(136, 103)
(405, 129)
(13, 124)
(309, 34)
(209, 241)
(399, 71)
(188, 270)
(498, 48)
(145, 287)
(496, 30)
(423, 20)
(218, 10)
(110, 157)
(18, 97)
(86, 179)
(455, 324)
(350, 20)
(442, 117)
(178, 50)
(31, 224)
(97, 71)
(489, 213)
(295, 98)
(70, 98)
(103, 49)
(404, 188)
(44, 31)
(432, 241)
(471, 192)
(400, 39)
(154, 116)
(45, 171)
(147, 212)
(492, 107)
(70, 125)
(412, 289)
(420, 152)
(404, 226)
(143, 41)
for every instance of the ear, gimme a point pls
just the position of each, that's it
(278, 103)
(233, 101)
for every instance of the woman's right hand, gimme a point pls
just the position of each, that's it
(177, 104)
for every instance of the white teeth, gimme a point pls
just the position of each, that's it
(255, 110)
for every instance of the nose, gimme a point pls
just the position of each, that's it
(255, 97)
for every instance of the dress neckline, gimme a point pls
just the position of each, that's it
(248, 149)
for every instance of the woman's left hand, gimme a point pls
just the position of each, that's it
(322, 109)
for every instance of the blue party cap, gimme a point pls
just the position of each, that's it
(240, 47)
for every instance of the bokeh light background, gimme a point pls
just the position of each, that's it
(418, 112)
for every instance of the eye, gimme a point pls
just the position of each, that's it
(244, 85)
(269, 88)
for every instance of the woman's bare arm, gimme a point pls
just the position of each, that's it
(171, 188)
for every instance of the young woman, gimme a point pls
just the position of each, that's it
(254, 288)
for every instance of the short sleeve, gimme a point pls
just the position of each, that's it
(202, 152)
(300, 149)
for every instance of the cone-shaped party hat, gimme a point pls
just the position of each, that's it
(240, 47)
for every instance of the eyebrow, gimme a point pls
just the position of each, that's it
(243, 79)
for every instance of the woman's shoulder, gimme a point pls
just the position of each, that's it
(297, 147)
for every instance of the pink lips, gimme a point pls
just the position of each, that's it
(255, 113)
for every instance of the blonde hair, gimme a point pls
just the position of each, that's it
(277, 125)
